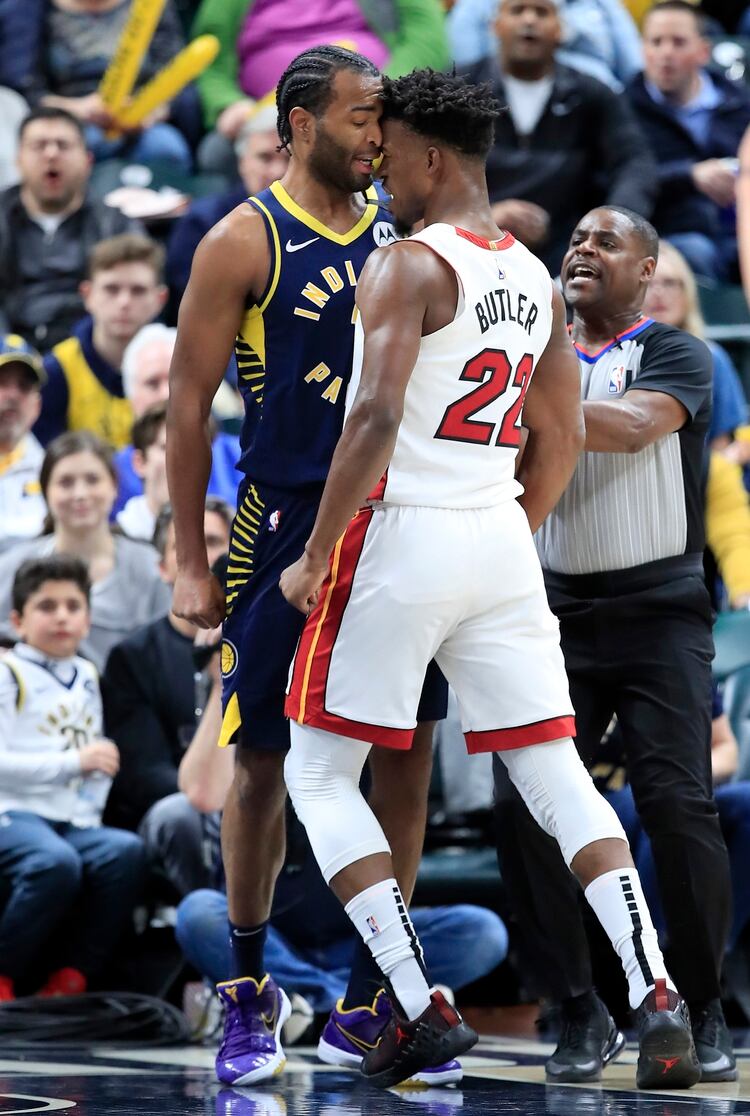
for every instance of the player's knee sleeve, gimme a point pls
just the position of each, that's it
(322, 772)
(561, 796)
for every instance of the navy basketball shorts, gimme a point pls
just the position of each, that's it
(261, 629)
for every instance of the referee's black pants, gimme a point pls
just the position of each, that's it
(637, 643)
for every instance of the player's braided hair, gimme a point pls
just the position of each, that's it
(308, 79)
(445, 107)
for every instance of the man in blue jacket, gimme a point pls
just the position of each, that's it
(693, 121)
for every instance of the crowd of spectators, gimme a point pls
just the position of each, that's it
(608, 101)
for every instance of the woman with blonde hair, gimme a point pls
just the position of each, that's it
(672, 298)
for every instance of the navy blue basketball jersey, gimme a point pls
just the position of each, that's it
(295, 345)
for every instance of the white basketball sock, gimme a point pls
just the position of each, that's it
(617, 900)
(380, 915)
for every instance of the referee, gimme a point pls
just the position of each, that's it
(622, 555)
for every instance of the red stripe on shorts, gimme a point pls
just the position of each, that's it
(503, 740)
(312, 661)
(398, 739)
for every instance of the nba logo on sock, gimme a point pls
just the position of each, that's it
(372, 924)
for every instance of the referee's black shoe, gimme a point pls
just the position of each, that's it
(666, 1051)
(589, 1039)
(713, 1043)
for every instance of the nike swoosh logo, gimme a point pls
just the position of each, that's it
(359, 1043)
(296, 247)
(270, 1019)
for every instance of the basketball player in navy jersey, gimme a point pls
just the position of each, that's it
(276, 279)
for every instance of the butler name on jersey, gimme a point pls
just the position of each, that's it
(461, 428)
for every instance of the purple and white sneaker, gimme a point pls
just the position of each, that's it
(251, 1048)
(349, 1035)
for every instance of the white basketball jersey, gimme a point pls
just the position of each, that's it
(459, 436)
(48, 712)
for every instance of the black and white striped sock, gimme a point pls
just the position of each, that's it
(381, 917)
(618, 902)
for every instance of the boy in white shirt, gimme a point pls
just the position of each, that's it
(72, 883)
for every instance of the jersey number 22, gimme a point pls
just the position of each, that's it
(458, 424)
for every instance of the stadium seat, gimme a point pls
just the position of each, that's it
(737, 709)
(732, 640)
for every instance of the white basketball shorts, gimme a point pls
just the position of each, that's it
(409, 584)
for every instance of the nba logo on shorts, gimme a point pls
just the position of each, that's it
(370, 920)
(616, 379)
(273, 521)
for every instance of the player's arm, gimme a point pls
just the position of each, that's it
(231, 260)
(392, 296)
(553, 417)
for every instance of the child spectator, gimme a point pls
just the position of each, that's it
(73, 884)
(79, 483)
(84, 390)
(21, 501)
(138, 518)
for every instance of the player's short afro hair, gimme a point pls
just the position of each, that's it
(444, 107)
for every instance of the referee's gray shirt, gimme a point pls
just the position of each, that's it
(626, 509)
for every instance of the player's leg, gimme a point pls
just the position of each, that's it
(256, 799)
(322, 772)
(357, 676)
(538, 881)
(505, 664)
(399, 786)
(398, 798)
(260, 634)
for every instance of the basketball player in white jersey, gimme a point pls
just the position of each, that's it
(423, 548)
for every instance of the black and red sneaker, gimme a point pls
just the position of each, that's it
(666, 1051)
(438, 1035)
